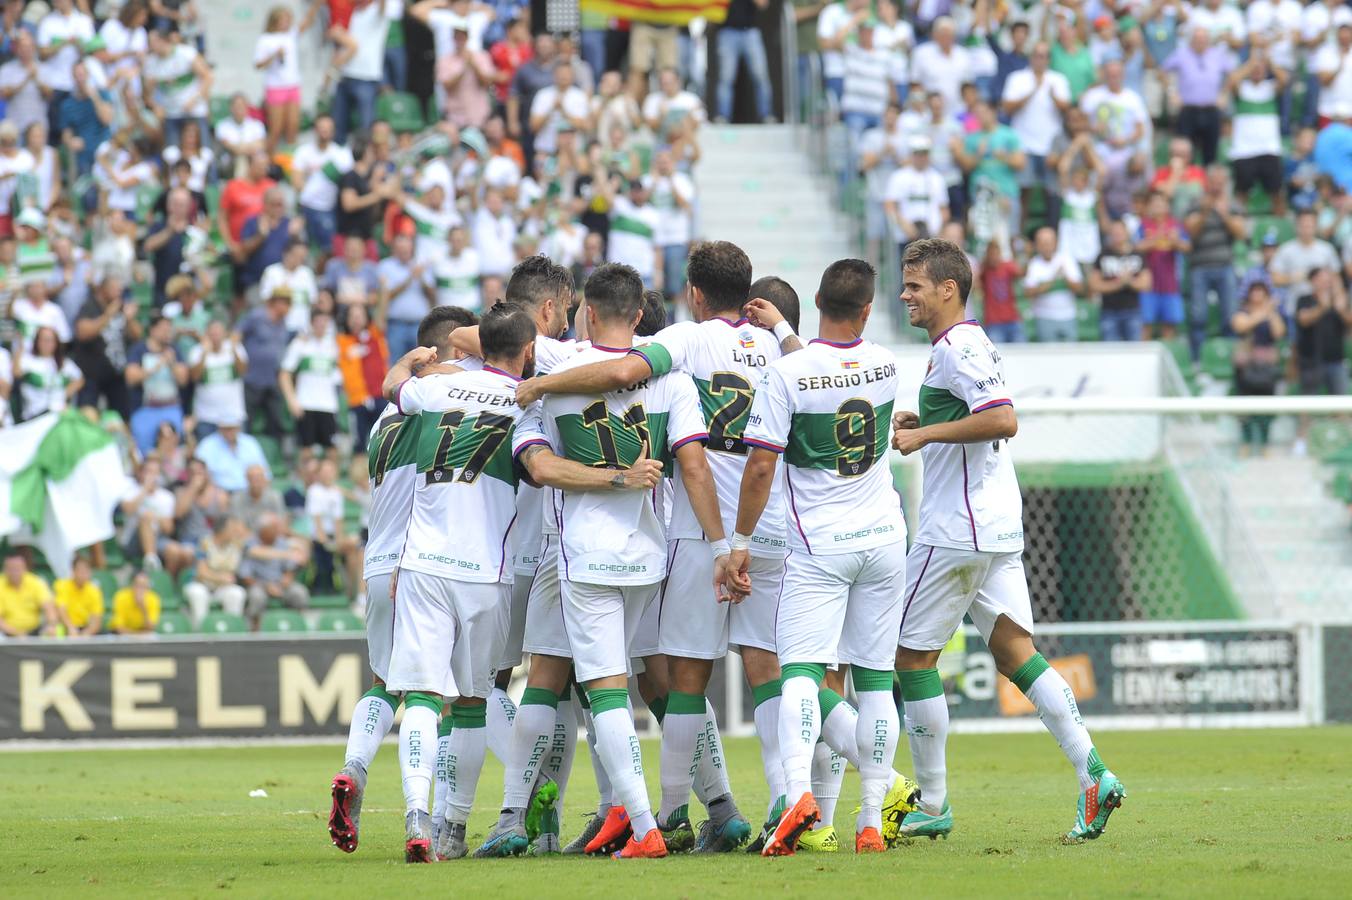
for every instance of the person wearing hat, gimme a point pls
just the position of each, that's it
(186, 312)
(916, 199)
(21, 85)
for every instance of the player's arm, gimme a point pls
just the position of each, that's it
(994, 423)
(409, 365)
(765, 314)
(593, 378)
(547, 468)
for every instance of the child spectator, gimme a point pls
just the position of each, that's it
(1162, 241)
(1000, 312)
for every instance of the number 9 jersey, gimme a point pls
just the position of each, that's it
(828, 410)
(464, 497)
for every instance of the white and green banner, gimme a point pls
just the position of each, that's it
(61, 478)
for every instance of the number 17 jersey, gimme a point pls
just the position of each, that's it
(828, 410)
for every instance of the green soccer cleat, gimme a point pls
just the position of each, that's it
(768, 828)
(902, 798)
(1095, 804)
(547, 842)
(543, 800)
(676, 831)
(509, 841)
(820, 840)
(919, 823)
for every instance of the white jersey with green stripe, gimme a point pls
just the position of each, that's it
(464, 494)
(531, 522)
(828, 410)
(726, 359)
(971, 499)
(391, 465)
(457, 280)
(617, 537)
(632, 229)
(313, 361)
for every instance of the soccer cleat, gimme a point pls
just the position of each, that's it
(348, 787)
(819, 840)
(578, 845)
(919, 823)
(869, 841)
(651, 847)
(768, 828)
(798, 819)
(418, 837)
(902, 798)
(725, 832)
(615, 831)
(1095, 805)
(676, 831)
(509, 841)
(543, 799)
(450, 841)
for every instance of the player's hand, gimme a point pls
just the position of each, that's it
(762, 313)
(732, 584)
(528, 391)
(644, 475)
(909, 441)
(904, 420)
(418, 358)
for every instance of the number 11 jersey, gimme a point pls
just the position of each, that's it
(828, 410)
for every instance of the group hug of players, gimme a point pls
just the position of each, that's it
(644, 498)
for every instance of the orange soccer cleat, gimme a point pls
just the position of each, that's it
(798, 819)
(613, 834)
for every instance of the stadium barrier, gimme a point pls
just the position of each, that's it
(1126, 675)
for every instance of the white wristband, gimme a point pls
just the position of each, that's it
(784, 331)
(740, 541)
(720, 548)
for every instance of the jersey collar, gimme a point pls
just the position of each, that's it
(742, 321)
(941, 334)
(611, 349)
(496, 371)
(843, 346)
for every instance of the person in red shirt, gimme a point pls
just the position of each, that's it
(1000, 312)
(509, 53)
(242, 199)
(1180, 180)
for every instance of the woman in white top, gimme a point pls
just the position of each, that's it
(124, 36)
(199, 158)
(129, 171)
(47, 380)
(277, 55)
(46, 166)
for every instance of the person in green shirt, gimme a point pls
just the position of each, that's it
(992, 156)
(1070, 56)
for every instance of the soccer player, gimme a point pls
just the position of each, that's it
(725, 354)
(391, 467)
(967, 557)
(828, 409)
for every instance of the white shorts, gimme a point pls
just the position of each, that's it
(647, 638)
(544, 611)
(516, 624)
(946, 583)
(694, 625)
(842, 608)
(602, 621)
(448, 635)
(379, 623)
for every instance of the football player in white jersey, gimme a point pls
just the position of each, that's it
(724, 353)
(968, 552)
(827, 410)
(392, 471)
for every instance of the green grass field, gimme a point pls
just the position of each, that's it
(1208, 813)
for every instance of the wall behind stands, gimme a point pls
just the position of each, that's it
(231, 31)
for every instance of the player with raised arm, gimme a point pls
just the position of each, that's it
(968, 552)
(827, 410)
(391, 468)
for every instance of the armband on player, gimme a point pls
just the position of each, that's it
(784, 331)
(740, 541)
(720, 548)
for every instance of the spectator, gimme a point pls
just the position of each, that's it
(1333, 65)
(673, 195)
(1119, 277)
(242, 200)
(1200, 67)
(1179, 179)
(277, 54)
(177, 84)
(136, 609)
(868, 86)
(832, 21)
(465, 77)
(940, 65)
(309, 380)
(1122, 125)
(993, 156)
(1036, 99)
(155, 373)
(493, 230)
(25, 94)
(329, 541)
(33, 311)
(215, 579)
(60, 35)
(187, 314)
(271, 561)
(946, 137)
(531, 76)
(1079, 171)
(295, 275)
(881, 150)
(170, 240)
(259, 497)
(407, 290)
(1322, 319)
(25, 600)
(558, 106)
(1259, 272)
(363, 73)
(362, 193)
(105, 330)
(1052, 279)
(1255, 131)
(739, 39)
(264, 337)
(1069, 56)
(351, 279)
(457, 274)
(200, 159)
(1000, 310)
(48, 381)
(148, 522)
(1162, 241)
(1301, 255)
(916, 201)
(70, 282)
(216, 367)
(82, 119)
(633, 222)
(1260, 327)
(79, 601)
(669, 107)
(240, 135)
(1213, 226)
(316, 170)
(515, 48)
(363, 360)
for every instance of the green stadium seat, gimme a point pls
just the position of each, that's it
(1218, 358)
(222, 623)
(340, 620)
(218, 109)
(1087, 321)
(402, 111)
(279, 620)
(107, 583)
(329, 601)
(173, 622)
(162, 583)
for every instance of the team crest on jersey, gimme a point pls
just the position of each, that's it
(849, 363)
(746, 340)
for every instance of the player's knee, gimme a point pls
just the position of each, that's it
(908, 659)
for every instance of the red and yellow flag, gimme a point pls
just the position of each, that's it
(658, 12)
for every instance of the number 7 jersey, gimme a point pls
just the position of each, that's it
(828, 410)
(464, 495)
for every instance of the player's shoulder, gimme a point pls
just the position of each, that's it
(665, 390)
(961, 339)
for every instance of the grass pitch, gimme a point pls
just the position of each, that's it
(1210, 813)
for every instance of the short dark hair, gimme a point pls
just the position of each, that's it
(505, 329)
(654, 314)
(615, 291)
(436, 327)
(722, 272)
(846, 288)
(941, 261)
(781, 295)
(537, 279)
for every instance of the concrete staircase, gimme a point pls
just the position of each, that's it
(1300, 533)
(756, 188)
